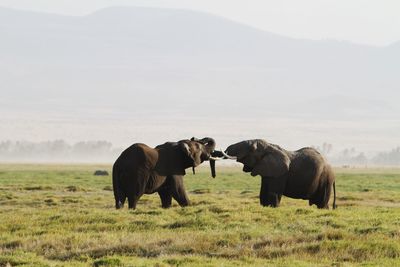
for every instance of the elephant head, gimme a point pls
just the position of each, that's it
(175, 157)
(211, 154)
(260, 158)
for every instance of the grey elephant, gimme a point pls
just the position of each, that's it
(301, 174)
(141, 169)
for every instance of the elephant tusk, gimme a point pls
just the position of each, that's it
(212, 158)
(227, 156)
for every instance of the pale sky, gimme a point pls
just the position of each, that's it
(374, 22)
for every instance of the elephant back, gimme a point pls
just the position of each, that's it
(138, 155)
(305, 171)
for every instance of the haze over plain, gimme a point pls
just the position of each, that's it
(129, 74)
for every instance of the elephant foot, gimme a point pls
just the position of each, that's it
(272, 200)
(182, 201)
(319, 205)
(272, 205)
(166, 199)
(185, 204)
(119, 205)
(132, 203)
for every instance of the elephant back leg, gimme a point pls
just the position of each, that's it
(120, 201)
(137, 188)
(178, 191)
(319, 198)
(322, 195)
(119, 195)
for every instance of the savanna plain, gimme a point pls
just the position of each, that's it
(63, 215)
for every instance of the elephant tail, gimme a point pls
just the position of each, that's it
(334, 195)
(119, 194)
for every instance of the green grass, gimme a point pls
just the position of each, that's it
(62, 215)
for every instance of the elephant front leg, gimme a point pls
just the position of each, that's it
(178, 191)
(267, 196)
(274, 199)
(166, 197)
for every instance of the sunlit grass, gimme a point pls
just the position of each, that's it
(63, 215)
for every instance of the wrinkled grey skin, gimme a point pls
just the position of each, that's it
(301, 174)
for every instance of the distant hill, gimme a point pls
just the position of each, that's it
(139, 50)
(135, 62)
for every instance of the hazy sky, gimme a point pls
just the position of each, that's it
(375, 22)
(95, 83)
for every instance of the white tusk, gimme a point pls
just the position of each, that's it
(212, 158)
(227, 156)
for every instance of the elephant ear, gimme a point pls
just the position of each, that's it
(193, 152)
(274, 163)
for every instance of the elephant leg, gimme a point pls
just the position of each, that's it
(119, 203)
(326, 195)
(178, 191)
(132, 201)
(278, 200)
(119, 198)
(268, 195)
(166, 197)
(273, 199)
(137, 189)
(321, 197)
(118, 188)
(264, 192)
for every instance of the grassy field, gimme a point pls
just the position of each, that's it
(61, 215)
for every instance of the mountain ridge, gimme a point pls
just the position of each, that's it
(167, 53)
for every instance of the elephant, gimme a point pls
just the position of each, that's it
(300, 174)
(141, 169)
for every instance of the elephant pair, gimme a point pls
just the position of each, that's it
(302, 174)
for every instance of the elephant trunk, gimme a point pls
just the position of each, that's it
(239, 149)
(233, 150)
(212, 167)
(210, 146)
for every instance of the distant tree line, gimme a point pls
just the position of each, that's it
(388, 158)
(350, 156)
(103, 151)
(57, 150)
